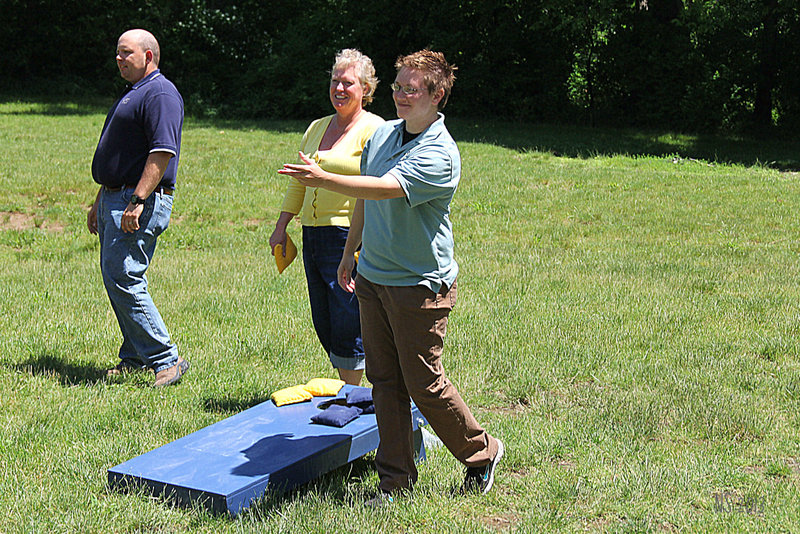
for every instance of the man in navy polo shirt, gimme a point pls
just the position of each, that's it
(136, 165)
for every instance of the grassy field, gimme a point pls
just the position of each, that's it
(628, 324)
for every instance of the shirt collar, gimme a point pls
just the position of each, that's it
(152, 76)
(430, 132)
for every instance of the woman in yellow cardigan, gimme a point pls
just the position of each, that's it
(335, 142)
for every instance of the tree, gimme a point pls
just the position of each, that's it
(683, 64)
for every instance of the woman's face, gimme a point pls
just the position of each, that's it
(346, 91)
(419, 109)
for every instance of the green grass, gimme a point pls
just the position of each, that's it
(627, 323)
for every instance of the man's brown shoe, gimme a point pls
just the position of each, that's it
(122, 368)
(170, 375)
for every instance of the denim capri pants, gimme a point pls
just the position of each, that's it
(334, 311)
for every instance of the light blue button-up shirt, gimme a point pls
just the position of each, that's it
(408, 241)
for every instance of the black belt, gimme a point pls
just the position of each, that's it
(159, 189)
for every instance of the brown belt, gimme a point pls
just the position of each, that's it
(159, 189)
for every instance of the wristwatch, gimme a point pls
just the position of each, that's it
(136, 200)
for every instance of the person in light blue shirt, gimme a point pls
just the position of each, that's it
(406, 281)
(413, 244)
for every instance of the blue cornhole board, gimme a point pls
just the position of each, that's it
(227, 465)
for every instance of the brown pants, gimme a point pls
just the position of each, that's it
(403, 330)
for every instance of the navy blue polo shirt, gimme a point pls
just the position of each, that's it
(147, 118)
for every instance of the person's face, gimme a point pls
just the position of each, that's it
(132, 59)
(346, 91)
(420, 107)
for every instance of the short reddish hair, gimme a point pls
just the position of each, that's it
(437, 73)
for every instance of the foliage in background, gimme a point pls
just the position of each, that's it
(692, 65)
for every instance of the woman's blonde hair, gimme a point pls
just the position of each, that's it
(365, 70)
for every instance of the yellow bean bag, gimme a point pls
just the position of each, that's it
(291, 395)
(324, 387)
(291, 254)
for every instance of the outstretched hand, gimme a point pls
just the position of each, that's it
(308, 173)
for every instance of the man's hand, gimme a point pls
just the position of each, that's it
(130, 218)
(153, 171)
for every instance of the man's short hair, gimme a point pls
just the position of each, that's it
(148, 42)
(437, 73)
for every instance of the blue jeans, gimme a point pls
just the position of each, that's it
(334, 311)
(124, 258)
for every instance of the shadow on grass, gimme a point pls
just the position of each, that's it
(231, 405)
(56, 110)
(270, 125)
(68, 373)
(53, 106)
(775, 151)
(330, 486)
(91, 105)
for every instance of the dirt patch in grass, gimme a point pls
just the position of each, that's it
(598, 524)
(508, 520)
(516, 405)
(517, 473)
(566, 464)
(13, 220)
(514, 409)
(603, 523)
(754, 469)
(794, 465)
(666, 526)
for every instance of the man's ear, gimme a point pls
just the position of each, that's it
(148, 56)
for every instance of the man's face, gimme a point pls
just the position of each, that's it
(132, 59)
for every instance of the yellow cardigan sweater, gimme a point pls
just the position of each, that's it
(321, 207)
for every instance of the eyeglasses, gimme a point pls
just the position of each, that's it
(406, 89)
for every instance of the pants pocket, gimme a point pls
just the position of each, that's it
(161, 209)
